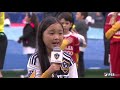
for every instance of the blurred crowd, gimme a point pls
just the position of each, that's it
(97, 18)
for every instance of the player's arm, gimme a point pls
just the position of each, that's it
(46, 74)
(77, 58)
(73, 71)
(53, 68)
(84, 42)
(112, 30)
(65, 43)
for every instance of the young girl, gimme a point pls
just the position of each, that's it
(70, 43)
(28, 39)
(50, 35)
(29, 34)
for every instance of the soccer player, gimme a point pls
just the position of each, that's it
(112, 33)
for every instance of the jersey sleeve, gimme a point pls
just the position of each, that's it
(82, 40)
(33, 67)
(64, 44)
(73, 71)
(113, 30)
(72, 65)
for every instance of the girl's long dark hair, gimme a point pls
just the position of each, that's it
(34, 19)
(42, 51)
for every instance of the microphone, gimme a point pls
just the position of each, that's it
(56, 55)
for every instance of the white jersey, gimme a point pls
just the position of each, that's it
(68, 67)
(89, 19)
(81, 40)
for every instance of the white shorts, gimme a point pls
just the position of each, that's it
(28, 50)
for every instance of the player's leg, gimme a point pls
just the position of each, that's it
(81, 69)
(3, 48)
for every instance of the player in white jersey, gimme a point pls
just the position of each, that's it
(82, 47)
(50, 35)
(81, 39)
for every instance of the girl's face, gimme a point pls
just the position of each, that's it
(78, 16)
(66, 24)
(53, 36)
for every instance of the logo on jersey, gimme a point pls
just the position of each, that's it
(65, 66)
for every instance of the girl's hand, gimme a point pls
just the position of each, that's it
(54, 67)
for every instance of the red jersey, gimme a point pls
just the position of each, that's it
(116, 36)
(73, 47)
(114, 44)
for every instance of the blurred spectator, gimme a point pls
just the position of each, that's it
(81, 27)
(54, 14)
(98, 19)
(80, 24)
(7, 22)
(17, 17)
(106, 45)
(105, 14)
(28, 39)
(89, 20)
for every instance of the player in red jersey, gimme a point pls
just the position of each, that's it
(70, 43)
(112, 32)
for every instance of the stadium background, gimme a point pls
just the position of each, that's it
(15, 60)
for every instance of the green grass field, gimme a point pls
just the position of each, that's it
(95, 73)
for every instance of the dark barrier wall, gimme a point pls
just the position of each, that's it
(17, 17)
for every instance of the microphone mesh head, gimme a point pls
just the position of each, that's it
(57, 49)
